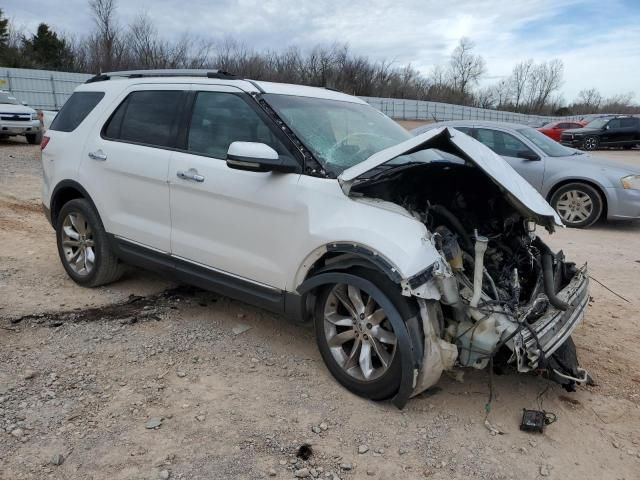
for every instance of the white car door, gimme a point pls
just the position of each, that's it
(231, 221)
(126, 161)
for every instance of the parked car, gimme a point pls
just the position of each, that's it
(18, 119)
(580, 187)
(622, 131)
(408, 254)
(554, 129)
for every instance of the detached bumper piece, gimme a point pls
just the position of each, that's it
(546, 342)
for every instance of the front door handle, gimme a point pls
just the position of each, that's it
(98, 155)
(191, 174)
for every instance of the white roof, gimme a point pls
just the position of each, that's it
(245, 85)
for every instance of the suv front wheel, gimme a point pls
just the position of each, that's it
(355, 337)
(590, 143)
(83, 245)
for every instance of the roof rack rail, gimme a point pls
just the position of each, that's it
(164, 73)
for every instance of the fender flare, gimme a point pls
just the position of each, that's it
(70, 184)
(409, 358)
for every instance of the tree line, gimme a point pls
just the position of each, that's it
(531, 87)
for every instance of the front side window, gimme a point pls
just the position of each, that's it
(339, 134)
(219, 119)
(615, 123)
(146, 117)
(502, 143)
(75, 110)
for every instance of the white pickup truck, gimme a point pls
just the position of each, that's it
(18, 119)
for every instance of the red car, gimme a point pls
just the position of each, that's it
(554, 129)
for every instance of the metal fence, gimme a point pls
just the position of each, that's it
(401, 109)
(41, 89)
(48, 90)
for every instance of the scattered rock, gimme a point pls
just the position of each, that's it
(315, 429)
(153, 422)
(282, 462)
(302, 473)
(272, 472)
(240, 328)
(362, 449)
(402, 451)
(164, 474)
(57, 459)
(29, 374)
(346, 466)
(181, 374)
(615, 444)
(17, 432)
(201, 418)
(545, 471)
(324, 427)
(371, 472)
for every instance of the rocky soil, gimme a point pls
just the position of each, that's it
(146, 379)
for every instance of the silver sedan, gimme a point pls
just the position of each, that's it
(581, 188)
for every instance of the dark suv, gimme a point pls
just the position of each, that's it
(621, 131)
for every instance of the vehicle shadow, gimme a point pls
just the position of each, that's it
(616, 226)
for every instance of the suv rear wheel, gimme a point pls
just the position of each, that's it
(355, 337)
(578, 204)
(83, 245)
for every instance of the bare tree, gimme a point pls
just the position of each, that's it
(466, 67)
(106, 45)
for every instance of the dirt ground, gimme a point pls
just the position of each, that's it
(83, 373)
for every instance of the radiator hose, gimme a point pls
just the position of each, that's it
(548, 280)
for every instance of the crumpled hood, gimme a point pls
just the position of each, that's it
(519, 192)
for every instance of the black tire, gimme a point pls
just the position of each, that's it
(583, 190)
(34, 138)
(590, 143)
(106, 266)
(386, 385)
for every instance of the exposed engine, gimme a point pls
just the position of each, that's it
(500, 288)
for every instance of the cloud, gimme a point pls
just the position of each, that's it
(598, 50)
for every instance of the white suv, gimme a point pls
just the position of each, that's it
(410, 255)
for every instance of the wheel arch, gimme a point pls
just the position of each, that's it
(65, 191)
(596, 186)
(342, 256)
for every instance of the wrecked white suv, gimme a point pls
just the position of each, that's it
(411, 255)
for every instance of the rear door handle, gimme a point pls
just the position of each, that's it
(191, 174)
(98, 155)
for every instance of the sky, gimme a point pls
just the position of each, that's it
(597, 40)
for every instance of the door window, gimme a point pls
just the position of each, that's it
(219, 119)
(146, 117)
(615, 123)
(628, 122)
(502, 143)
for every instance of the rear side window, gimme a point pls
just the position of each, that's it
(75, 110)
(148, 117)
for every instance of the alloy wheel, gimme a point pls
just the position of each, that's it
(574, 206)
(590, 143)
(78, 244)
(358, 333)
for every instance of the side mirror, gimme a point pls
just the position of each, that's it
(607, 126)
(258, 157)
(528, 155)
